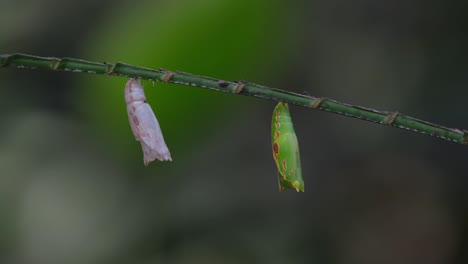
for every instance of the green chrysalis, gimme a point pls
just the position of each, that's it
(286, 149)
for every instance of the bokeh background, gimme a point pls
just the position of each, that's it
(73, 188)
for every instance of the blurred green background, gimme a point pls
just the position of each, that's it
(73, 188)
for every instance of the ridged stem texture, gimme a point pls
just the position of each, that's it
(393, 119)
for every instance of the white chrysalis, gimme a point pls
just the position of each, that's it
(144, 124)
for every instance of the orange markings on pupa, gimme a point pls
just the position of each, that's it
(286, 156)
(277, 134)
(284, 164)
(283, 176)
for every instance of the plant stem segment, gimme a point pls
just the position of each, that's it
(393, 119)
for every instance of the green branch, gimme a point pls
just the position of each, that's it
(393, 119)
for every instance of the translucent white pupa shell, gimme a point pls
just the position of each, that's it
(144, 124)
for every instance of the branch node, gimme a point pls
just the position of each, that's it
(316, 102)
(240, 86)
(390, 118)
(167, 76)
(56, 64)
(110, 68)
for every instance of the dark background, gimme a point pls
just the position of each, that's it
(73, 188)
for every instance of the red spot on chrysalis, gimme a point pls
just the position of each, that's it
(277, 116)
(277, 134)
(284, 164)
(277, 125)
(275, 148)
(135, 120)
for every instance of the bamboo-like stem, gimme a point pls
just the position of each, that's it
(393, 119)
